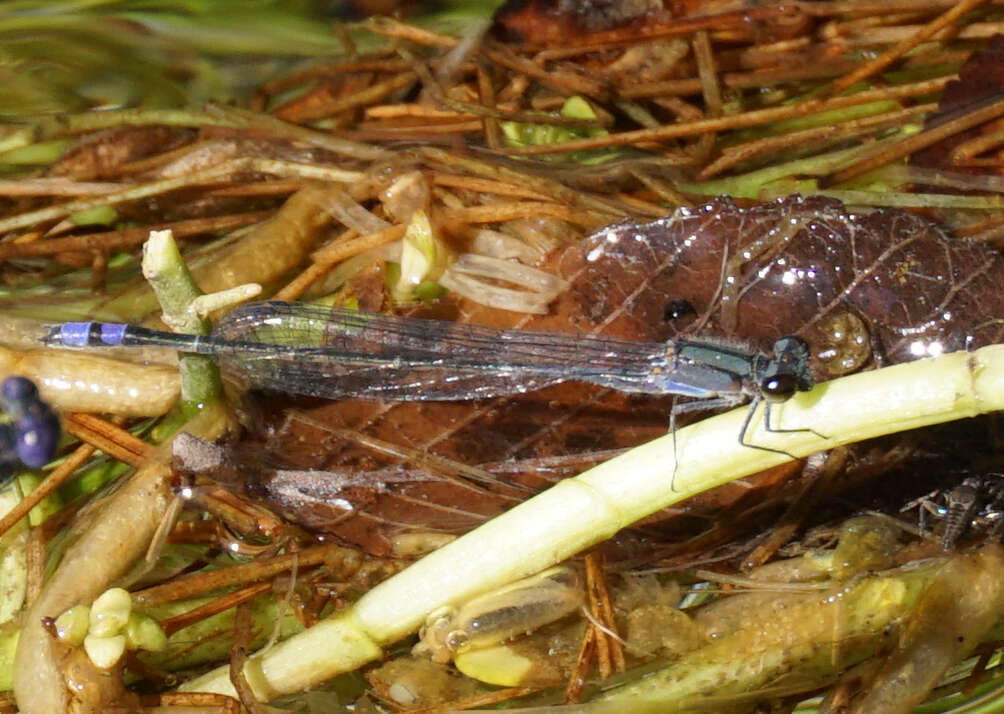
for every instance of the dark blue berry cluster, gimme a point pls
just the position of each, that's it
(32, 435)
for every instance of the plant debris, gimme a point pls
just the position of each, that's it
(645, 170)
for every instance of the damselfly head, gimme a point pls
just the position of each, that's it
(788, 372)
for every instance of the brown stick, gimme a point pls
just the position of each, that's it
(369, 95)
(738, 121)
(563, 82)
(218, 605)
(887, 35)
(227, 705)
(576, 680)
(198, 583)
(496, 212)
(131, 236)
(486, 95)
(57, 187)
(53, 481)
(894, 53)
(35, 557)
(239, 657)
(390, 27)
(110, 438)
(820, 135)
(594, 578)
(478, 700)
(858, 8)
(904, 147)
(481, 185)
(976, 146)
(345, 247)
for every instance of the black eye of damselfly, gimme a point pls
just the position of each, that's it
(779, 387)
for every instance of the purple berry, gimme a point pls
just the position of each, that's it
(37, 437)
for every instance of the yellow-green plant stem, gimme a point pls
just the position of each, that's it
(580, 512)
(210, 640)
(168, 276)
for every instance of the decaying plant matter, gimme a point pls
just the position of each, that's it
(644, 170)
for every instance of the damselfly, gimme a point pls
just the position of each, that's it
(339, 353)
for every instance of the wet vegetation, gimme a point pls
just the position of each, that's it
(645, 171)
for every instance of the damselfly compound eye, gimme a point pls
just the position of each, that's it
(779, 387)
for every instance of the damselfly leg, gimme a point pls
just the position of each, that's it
(724, 402)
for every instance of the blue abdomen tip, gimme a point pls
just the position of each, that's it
(75, 334)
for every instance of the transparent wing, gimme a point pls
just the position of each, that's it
(334, 352)
(413, 383)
